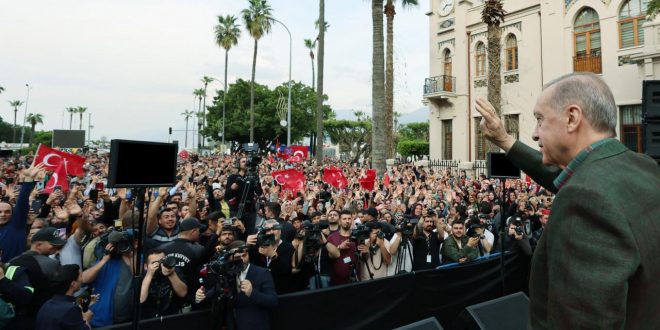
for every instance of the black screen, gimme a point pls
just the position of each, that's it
(68, 138)
(138, 164)
(500, 167)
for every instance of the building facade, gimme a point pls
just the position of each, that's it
(541, 40)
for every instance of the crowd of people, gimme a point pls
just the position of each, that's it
(69, 256)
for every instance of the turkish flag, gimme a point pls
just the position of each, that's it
(386, 180)
(52, 158)
(334, 177)
(184, 154)
(299, 151)
(369, 181)
(283, 152)
(59, 178)
(290, 179)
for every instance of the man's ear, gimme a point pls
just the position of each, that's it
(574, 116)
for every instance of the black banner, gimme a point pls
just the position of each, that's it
(383, 303)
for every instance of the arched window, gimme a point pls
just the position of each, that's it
(481, 59)
(587, 42)
(631, 18)
(511, 53)
(448, 85)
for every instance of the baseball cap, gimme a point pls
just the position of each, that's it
(189, 224)
(48, 234)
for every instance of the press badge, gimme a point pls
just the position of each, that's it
(347, 260)
(428, 258)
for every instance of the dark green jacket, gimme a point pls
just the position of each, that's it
(451, 253)
(597, 265)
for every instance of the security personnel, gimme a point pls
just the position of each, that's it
(62, 312)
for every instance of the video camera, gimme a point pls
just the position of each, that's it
(523, 225)
(313, 233)
(222, 269)
(122, 241)
(472, 226)
(406, 223)
(264, 237)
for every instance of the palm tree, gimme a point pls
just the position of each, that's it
(319, 89)
(186, 115)
(379, 126)
(493, 16)
(2, 89)
(200, 94)
(34, 119)
(258, 21)
(206, 80)
(15, 104)
(389, 73)
(311, 45)
(71, 111)
(227, 33)
(80, 111)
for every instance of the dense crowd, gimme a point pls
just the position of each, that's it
(213, 238)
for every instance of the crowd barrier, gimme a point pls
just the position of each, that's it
(383, 303)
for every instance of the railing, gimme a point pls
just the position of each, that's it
(439, 84)
(442, 164)
(480, 167)
(588, 63)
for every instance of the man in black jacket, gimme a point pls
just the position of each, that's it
(276, 256)
(62, 312)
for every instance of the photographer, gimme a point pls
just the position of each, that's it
(516, 240)
(189, 254)
(375, 254)
(236, 186)
(163, 291)
(459, 248)
(269, 251)
(272, 211)
(427, 243)
(401, 247)
(343, 263)
(312, 261)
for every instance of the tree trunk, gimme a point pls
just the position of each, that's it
(313, 74)
(199, 127)
(494, 75)
(13, 139)
(32, 136)
(378, 149)
(70, 120)
(80, 124)
(319, 90)
(389, 79)
(224, 96)
(254, 67)
(186, 139)
(203, 115)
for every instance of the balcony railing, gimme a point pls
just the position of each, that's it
(588, 63)
(439, 84)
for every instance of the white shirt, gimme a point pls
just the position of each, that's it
(243, 275)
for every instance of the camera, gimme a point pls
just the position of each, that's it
(472, 228)
(406, 224)
(223, 269)
(313, 233)
(520, 224)
(360, 233)
(122, 241)
(431, 211)
(168, 262)
(265, 237)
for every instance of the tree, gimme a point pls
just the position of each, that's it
(653, 8)
(15, 104)
(379, 127)
(352, 136)
(34, 119)
(186, 116)
(80, 111)
(200, 94)
(227, 33)
(71, 111)
(415, 131)
(311, 45)
(206, 80)
(389, 73)
(414, 148)
(319, 88)
(493, 15)
(266, 124)
(258, 21)
(43, 137)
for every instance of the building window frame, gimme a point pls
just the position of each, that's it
(589, 59)
(511, 53)
(512, 125)
(629, 19)
(447, 139)
(631, 127)
(480, 145)
(480, 59)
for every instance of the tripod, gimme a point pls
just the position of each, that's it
(404, 251)
(247, 190)
(223, 305)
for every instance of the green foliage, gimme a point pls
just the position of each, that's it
(43, 137)
(352, 136)
(257, 18)
(414, 131)
(493, 13)
(266, 120)
(653, 8)
(413, 148)
(227, 32)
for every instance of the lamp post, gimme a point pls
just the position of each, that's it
(25, 112)
(288, 112)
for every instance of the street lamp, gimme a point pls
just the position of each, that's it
(25, 112)
(288, 112)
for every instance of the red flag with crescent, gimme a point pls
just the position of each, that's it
(290, 179)
(369, 181)
(334, 177)
(58, 178)
(52, 158)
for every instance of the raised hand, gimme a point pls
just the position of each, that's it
(491, 125)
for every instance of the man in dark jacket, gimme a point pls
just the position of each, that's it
(62, 312)
(595, 266)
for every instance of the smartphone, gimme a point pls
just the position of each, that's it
(100, 186)
(118, 224)
(94, 196)
(57, 188)
(40, 185)
(36, 206)
(61, 233)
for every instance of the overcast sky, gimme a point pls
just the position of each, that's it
(134, 64)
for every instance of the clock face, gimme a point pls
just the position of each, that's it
(446, 6)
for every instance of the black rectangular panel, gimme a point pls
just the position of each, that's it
(142, 164)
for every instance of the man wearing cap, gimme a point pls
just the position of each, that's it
(62, 311)
(40, 268)
(189, 254)
(276, 257)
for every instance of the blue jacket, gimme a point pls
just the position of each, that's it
(13, 235)
(59, 313)
(253, 312)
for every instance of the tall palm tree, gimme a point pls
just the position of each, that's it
(493, 15)
(227, 33)
(389, 73)
(379, 126)
(71, 111)
(200, 94)
(80, 111)
(34, 119)
(2, 89)
(258, 21)
(15, 104)
(311, 45)
(206, 80)
(319, 89)
(186, 116)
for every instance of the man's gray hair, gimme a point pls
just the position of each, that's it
(271, 222)
(590, 93)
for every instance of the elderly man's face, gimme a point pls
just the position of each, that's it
(5, 213)
(551, 130)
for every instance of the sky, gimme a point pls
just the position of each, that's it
(134, 64)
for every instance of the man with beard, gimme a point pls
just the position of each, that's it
(460, 248)
(427, 243)
(343, 263)
(333, 220)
